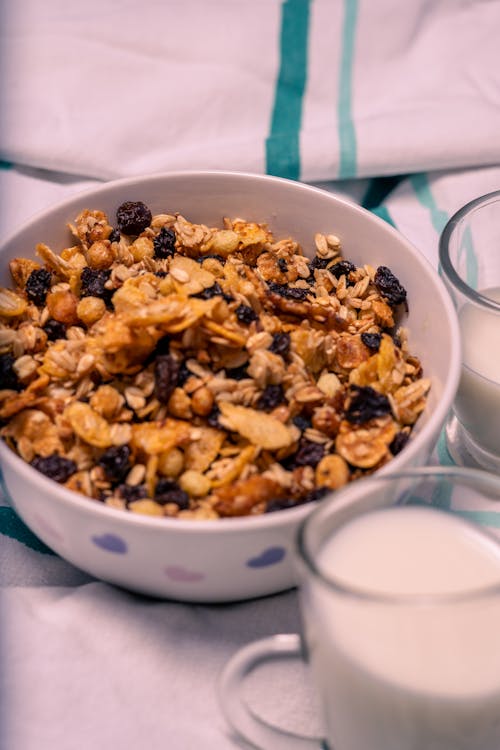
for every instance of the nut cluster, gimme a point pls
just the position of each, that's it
(175, 369)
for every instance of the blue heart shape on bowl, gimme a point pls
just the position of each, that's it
(269, 556)
(111, 543)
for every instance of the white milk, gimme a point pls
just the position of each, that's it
(401, 677)
(477, 403)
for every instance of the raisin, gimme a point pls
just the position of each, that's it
(213, 418)
(320, 263)
(282, 265)
(271, 396)
(366, 403)
(164, 243)
(399, 442)
(162, 346)
(54, 329)
(166, 372)
(371, 340)
(115, 462)
(303, 423)
(342, 268)
(280, 343)
(184, 374)
(281, 503)
(55, 467)
(245, 314)
(294, 293)
(115, 236)
(133, 217)
(8, 376)
(317, 494)
(309, 453)
(237, 373)
(93, 282)
(132, 492)
(211, 291)
(168, 491)
(37, 286)
(389, 286)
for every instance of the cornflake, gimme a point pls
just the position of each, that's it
(203, 372)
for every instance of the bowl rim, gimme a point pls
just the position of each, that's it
(266, 520)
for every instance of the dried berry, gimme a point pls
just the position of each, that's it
(55, 467)
(309, 453)
(366, 403)
(115, 236)
(281, 503)
(184, 374)
(93, 282)
(245, 314)
(115, 462)
(389, 286)
(168, 491)
(342, 268)
(280, 343)
(166, 372)
(303, 423)
(212, 291)
(317, 494)
(320, 263)
(164, 243)
(371, 340)
(399, 442)
(8, 376)
(54, 329)
(162, 346)
(295, 293)
(282, 265)
(213, 418)
(133, 217)
(271, 397)
(37, 286)
(237, 373)
(132, 492)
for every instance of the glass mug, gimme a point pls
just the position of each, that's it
(400, 605)
(469, 263)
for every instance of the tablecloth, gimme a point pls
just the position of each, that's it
(394, 105)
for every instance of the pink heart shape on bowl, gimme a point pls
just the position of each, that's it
(183, 575)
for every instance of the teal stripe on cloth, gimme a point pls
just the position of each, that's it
(384, 214)
(5, 165)
(282, 144)
(439, 219)
(347, 132)
(12, 526)
(422, 190)
(486, 517)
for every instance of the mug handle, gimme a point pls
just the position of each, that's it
(241, 718)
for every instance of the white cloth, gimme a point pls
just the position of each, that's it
(317, 90)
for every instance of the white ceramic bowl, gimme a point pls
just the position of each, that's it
(227, 559)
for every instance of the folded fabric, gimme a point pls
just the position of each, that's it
(307, 89)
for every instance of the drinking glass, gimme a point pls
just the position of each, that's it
(469, 258)
(400, 623)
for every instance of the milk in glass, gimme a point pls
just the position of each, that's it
(477, 403)
(395, 675)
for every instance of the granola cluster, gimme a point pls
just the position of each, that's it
(176, 369)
